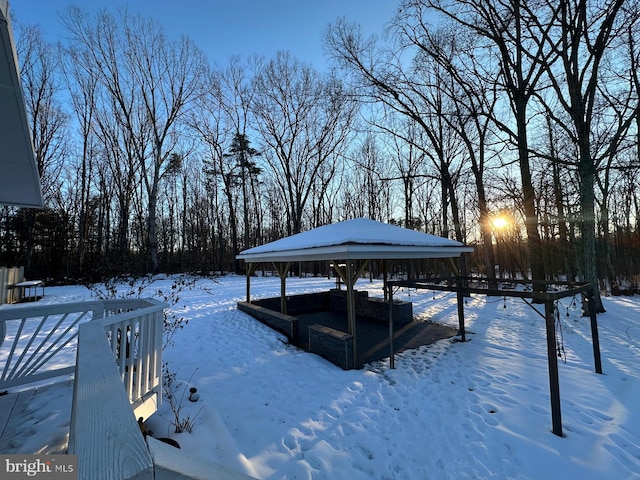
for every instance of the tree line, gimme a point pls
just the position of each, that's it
(509, 125)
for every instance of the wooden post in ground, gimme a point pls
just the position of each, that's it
(392, 360)
(460, 297)
(248, 286)
(595, 338)
(552, 358)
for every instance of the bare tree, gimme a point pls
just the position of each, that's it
(304, 121)
(561, 150)
(168, 75)
(407, 82)
(82, 85)
(209, 120)
(581, 36)
(151, 80)
(47, 120)
(472, 103)
(372, 193)
(406, 142)
(510, 29)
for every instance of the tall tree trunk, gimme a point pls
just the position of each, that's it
(233, 224)
(587, 173)
(31, 221)
(152, 229)
(534, 243)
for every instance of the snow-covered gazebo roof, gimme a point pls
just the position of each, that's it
(358, 239)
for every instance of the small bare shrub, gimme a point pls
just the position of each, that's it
(141, 286)
(174, 392)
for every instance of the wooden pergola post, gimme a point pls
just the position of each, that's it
(383, 265)
(595, 337)
(248, 283)
(554, 382)
(460, 297)
(351, 311)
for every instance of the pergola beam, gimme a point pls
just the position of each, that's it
(461, 286)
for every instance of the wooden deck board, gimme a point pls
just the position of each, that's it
(7, 402)
(25, 416)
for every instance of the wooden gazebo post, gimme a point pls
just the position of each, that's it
(349, 276)
(392, 359)
(460, 286)
(282, 268)
(351, 311)
(250, 270)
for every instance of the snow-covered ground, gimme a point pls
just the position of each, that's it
(478, 409)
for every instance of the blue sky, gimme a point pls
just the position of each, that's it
(231, 27)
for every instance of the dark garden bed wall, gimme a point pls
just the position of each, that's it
(332, 344)
(285, 324)
(372, 308)
(336, 300)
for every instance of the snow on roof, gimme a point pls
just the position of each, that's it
(360, 238)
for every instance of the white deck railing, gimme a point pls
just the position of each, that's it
(103, 432)
(134, 330)
(40, 342)
(115, 347)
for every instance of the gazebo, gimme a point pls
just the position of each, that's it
(350, 246)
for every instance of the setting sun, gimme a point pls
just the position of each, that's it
(500, 222)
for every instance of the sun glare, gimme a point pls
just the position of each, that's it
(500, 223)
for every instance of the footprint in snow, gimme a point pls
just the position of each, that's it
(290, 442)
(507, 400)
(571, 428)
(586, 419)
(600, 415)
(631, 463)
(496, 391)
(539, 410)
(628, 446)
